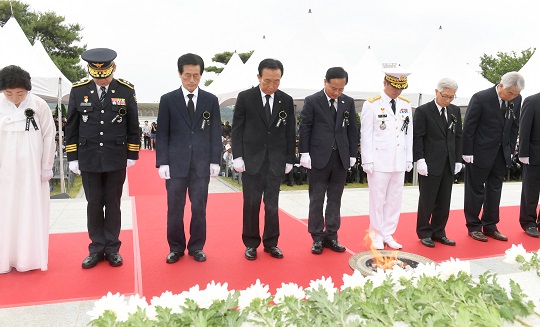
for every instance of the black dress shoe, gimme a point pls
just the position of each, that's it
(92, 260)
(333, 245)
(251, 253)
(198, 255)
(317, 247)
(496, 235)
(174, 256)
(115, 259)
(444, 240)
(532, 232)
(478, 236)
(274, 251)
(427, 241)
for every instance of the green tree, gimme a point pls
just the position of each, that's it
(493, 67)
(223, 58)
(57, 37)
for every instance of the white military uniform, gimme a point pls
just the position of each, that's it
(387, 142)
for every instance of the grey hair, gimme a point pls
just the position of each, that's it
(447, 83)
(512, 79)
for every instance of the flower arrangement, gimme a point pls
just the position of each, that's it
(429, 295)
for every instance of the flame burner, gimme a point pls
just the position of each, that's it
(367, 262)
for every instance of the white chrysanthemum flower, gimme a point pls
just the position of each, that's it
(217, 292)
(289, 290)
(356, 280)
(428, 269)
(453, 267)
(397, 273)
(512, 253)
(175, 302)
(135, 302)
(354, 319)
(377, 277)
(255, 291)
(327, 285)
(113, 302)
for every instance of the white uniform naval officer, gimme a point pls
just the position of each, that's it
(386, 143)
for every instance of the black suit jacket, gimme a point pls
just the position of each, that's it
(253, 136)
(177, 139)
(485, 130)
(318, 131)
(434, 141)
(529, 130)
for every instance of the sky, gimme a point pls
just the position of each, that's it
(149, 36)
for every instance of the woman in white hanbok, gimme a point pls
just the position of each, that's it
(26, 160)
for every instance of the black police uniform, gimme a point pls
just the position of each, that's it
(102, 138)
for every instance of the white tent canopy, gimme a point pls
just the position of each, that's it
(530, 73)
(228, 76)
(35, 60)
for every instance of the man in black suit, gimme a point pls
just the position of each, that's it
(188, 150)
(529, 155)
(489, 139)
(263, 136)
(102, 133)
(327, 144)
(437, 148)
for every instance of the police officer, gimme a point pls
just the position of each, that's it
(101, 141)
(386, 142)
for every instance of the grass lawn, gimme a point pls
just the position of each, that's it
(284, 187)
(73, 191)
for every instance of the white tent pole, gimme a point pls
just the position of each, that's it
(60, 137)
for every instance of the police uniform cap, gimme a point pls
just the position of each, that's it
(100, 62)
(397, 78)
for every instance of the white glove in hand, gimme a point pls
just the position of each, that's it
(46, 174)
(457, 168)
(238, 165)
(368, 168)
(164, 172)
(524, 160)
(305, 160)
(288, 168)
(214, 169)
(421, 167)
(352, 161)
(74, 167)
(468, 159)
(130, 163)
(409, 166)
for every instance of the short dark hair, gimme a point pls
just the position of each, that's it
(336, 72)
(190, 59)
(270, 63)
(12, 77)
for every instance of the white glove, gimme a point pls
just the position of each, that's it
(130, 163)
(164, 172)
(46, 174)
(352, 161)
(524, 160)
(214, 169)
(238, 165)
(421, 167)
(305, 160)
(288, 168)
(458, 167)
(74, 167)
(409, 166)
(468, 159)
(368, 168)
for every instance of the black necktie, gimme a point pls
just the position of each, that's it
(503, 108)
(443, 117)
(267, 108)
(191, 107)
(393, 102)
(102, 96)
(333, 109)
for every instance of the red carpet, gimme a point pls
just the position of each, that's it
(65, 280)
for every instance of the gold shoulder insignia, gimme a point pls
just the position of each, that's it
(126, 83)
(404, 98)
(81, 82)
(375, 98)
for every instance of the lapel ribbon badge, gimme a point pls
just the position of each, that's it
(206, 119)
(29, 113)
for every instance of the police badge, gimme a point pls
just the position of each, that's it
(84, 118)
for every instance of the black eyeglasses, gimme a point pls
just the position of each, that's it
(447, 97)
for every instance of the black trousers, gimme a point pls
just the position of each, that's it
(483, 188)
(263, 185)
(197, 189)
(330, 181)
(434, 203)
(530, 190)
(103, 192)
